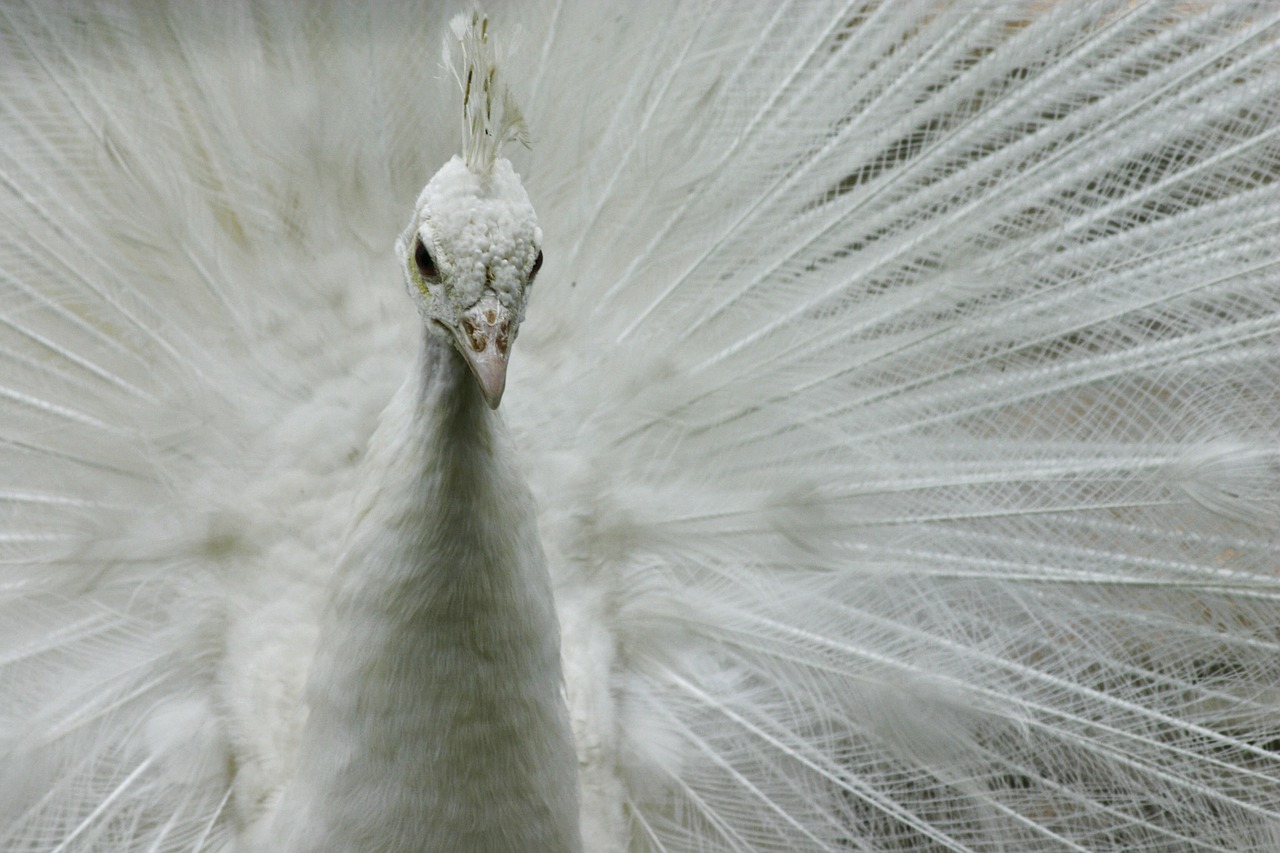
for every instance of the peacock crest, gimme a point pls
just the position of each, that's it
(490, 116)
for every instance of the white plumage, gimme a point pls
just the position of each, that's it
(898, 400)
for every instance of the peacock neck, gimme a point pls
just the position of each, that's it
(436, 717)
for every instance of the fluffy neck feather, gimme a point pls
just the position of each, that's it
(436, 718)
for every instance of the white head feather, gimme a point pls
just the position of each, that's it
(473, 246)
(490, 116)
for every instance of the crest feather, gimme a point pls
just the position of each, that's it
(490, 116)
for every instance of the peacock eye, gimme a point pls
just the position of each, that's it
(537, 265)
(422, 257)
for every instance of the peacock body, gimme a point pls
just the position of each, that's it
(897, 401)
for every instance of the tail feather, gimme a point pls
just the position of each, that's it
(944, 379)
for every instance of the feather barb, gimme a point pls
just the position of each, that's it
(490, 116)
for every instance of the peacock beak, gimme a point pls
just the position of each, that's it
(484, 339)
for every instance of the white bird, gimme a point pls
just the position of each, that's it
(897, 405)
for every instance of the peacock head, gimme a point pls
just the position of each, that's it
(470, 255)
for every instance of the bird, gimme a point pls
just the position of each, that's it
(793, 425)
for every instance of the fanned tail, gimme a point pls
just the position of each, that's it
(928, 422)
(899, 392)
(176, 272)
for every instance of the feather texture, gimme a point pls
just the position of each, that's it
(898, 398)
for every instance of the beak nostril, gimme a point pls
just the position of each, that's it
(491, 316)
(474, 336)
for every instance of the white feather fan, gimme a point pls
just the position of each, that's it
(899, 398)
